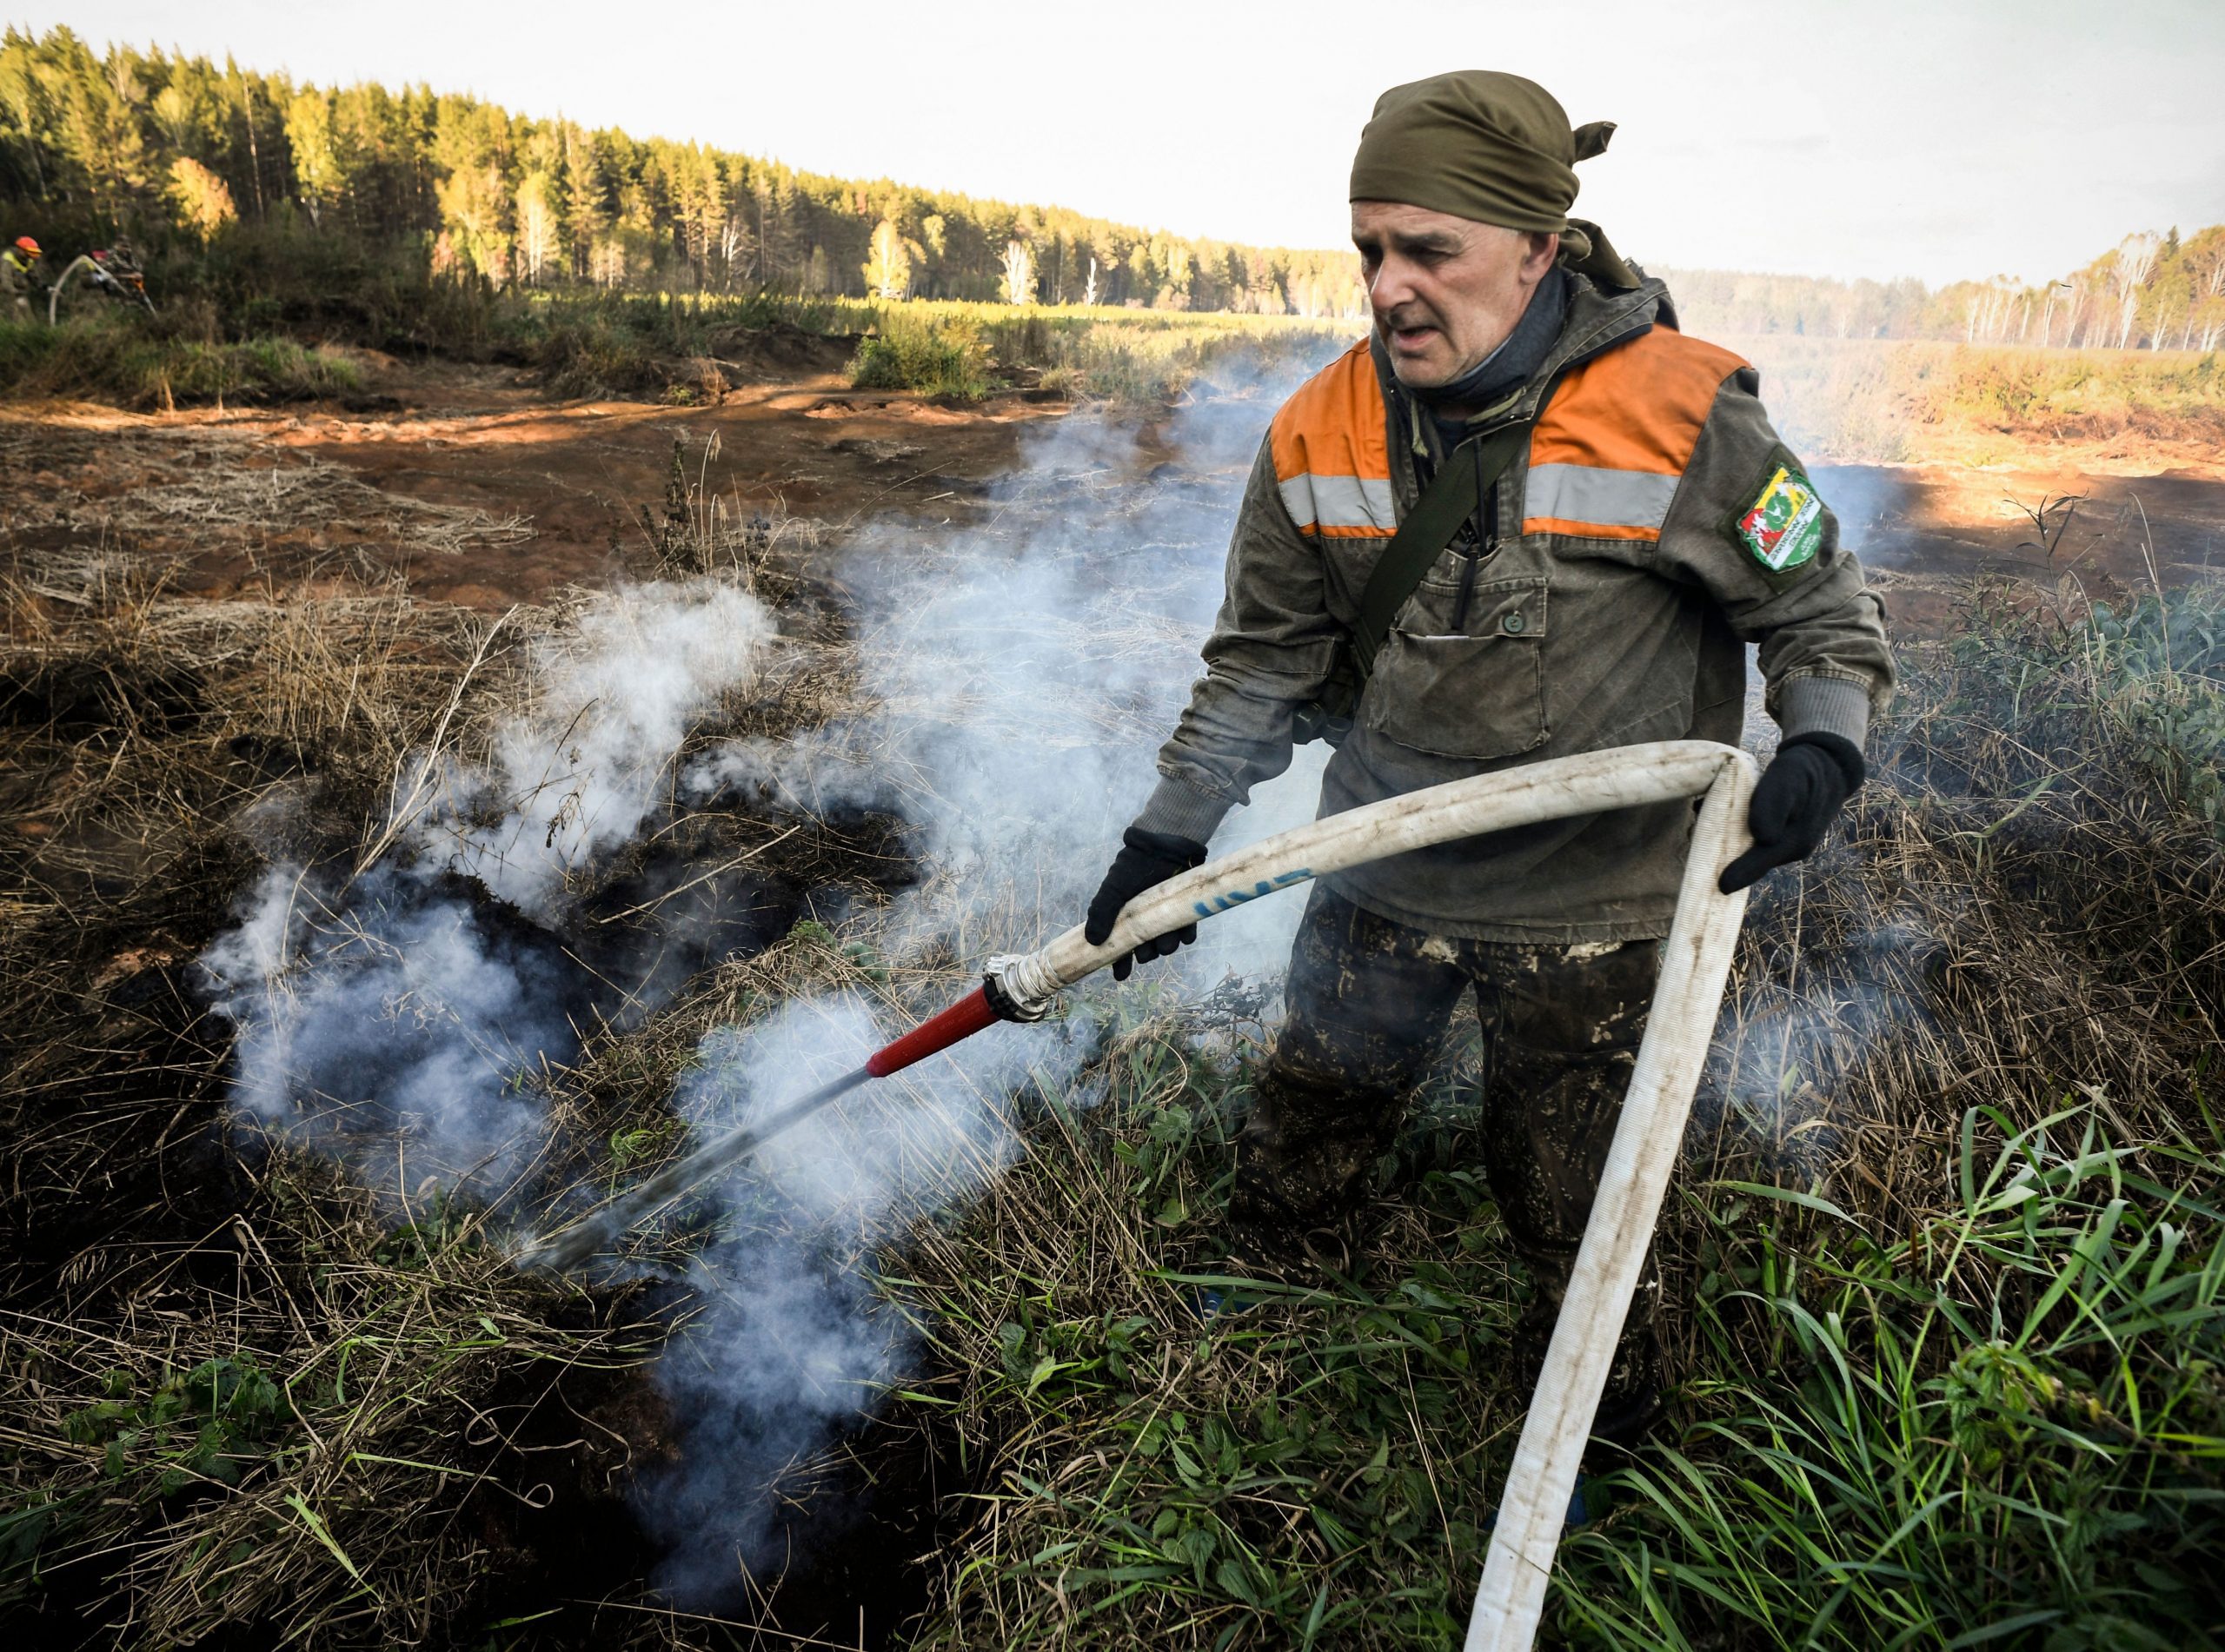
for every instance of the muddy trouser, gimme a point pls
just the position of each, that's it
(1369, 1001)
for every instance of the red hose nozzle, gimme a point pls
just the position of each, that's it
(962, 1020)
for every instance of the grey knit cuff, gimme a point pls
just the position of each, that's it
(1181, 811)
(1824, 705)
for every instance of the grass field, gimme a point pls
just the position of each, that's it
(659, 349)
(1896, 401)
(944, 348)
(1849, 400)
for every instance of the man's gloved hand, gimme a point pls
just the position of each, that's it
(1805, 785)
(1145, 859)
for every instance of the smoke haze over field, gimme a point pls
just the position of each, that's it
(1012, 687)
(1015, 685)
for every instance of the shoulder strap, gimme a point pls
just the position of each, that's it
(1468, 472)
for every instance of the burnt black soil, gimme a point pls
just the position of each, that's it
(133, 818)
(123, 1165)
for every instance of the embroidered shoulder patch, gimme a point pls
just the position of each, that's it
(1784, 528)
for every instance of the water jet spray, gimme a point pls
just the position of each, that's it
(1695, 962)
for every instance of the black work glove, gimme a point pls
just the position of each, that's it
(1805, 785)
(1145, 859)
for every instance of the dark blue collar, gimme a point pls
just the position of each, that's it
(1514, 362)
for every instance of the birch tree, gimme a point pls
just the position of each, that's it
(539, 229)
(203, 201)
(2135, 262)
(1019, 273)
(316, 163)
(889, 266)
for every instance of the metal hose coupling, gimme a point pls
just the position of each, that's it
(1020, 985)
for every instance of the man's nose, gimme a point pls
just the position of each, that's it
(1392, 286)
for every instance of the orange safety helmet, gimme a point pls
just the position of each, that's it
(24, 243)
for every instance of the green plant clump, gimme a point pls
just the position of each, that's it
(205, 1425)
(125, 360)
(943, 356)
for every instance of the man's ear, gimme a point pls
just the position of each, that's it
(1544, 246)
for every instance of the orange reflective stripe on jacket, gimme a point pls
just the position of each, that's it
(1613, 443)
(1332, 461)
(1605, 459)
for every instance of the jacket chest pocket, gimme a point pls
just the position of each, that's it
(1479, 692)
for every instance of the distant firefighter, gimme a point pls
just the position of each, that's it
(112, 272)
(17, 283)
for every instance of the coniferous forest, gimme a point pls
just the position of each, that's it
(178, 150)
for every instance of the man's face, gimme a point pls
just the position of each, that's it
(1446, 291)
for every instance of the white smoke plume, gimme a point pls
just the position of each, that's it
(405, 1026)
(1015, 686)
(1789, 1036)
(575, 773)
(1019, 681)
(792, 1344)
(925, 1135)
(396, 1031)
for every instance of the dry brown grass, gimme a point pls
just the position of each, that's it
(399, 1438)
(1912, 401)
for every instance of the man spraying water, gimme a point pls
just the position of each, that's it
(1505, 554)
(1526, 519)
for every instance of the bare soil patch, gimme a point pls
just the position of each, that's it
(1925, 531)
(471, 488)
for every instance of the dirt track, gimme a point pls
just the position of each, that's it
(479, 492)
(525, 497)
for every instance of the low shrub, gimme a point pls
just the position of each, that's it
(124, 359)
(943, 356)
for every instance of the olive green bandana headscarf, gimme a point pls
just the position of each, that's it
(1493, 147)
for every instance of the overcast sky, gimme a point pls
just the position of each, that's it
(1938, 138)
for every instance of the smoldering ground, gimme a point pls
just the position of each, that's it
(405, 1015)
(1008, 689)
(1013, 687)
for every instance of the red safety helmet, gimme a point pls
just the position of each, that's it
(24, 243)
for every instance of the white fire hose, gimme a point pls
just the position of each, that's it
(1695, 962)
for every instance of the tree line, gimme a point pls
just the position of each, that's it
(159, 144)
(2153, 291)
(171, 147)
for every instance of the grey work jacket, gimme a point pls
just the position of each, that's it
(1563, 644)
